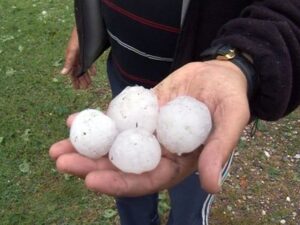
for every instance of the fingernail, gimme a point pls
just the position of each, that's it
(64, 71)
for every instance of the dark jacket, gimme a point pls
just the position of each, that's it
(269, 31)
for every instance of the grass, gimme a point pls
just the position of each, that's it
(35, 101)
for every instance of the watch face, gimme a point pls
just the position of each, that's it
(226, 53)
(221, 52)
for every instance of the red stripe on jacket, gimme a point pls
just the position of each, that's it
(133, 77)
(139, 19)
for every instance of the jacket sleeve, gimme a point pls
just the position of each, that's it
(269, 31)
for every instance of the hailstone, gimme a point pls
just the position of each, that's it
(134, 107)
(183, 124)
(135, 151)
(92, 133)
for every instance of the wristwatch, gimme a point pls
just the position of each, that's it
(227, 52)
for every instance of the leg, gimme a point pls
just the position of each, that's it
(117, 83)
(189, 203)
(138, 210)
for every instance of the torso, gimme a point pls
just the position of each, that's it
(143, 36)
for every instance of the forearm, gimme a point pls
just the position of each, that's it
(270, 33)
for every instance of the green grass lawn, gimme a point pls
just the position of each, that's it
(35, 101)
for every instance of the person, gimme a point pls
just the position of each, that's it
(241, 58)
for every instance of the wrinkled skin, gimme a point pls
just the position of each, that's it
(220, 85)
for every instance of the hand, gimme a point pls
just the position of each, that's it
(222, 86)
(101, 176)
(71, 65)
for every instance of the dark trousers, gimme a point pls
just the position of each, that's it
(190, 204)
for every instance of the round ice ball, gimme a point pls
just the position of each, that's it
(92, 133)
(135, 151)
(134, 107)
(183, 124)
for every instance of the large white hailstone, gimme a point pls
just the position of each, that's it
(183, 124)
(92, 133)
(135, 151)
(134, 107)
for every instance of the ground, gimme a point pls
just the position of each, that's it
(263, 186)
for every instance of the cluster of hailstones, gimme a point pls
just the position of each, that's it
(126, 131)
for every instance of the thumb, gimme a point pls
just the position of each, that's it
(66, 70)
(213, 167)
(72, 53)
(70, 61)
(215, 158)
(70, 119)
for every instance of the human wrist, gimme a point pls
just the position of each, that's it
(242, 60)
(229, 73)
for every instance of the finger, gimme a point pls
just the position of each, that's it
(92, 71)
(174, 85)
(75, 82)
(162, 96)
(88, 79)
(84, 81)
(66, 69)
(81, 82)
(229, 124)
(71, 56)
(80, 166)
(70, 119)
(60, 148)
(117, 183)
(71, 61)
(210, 167)
(75, 164)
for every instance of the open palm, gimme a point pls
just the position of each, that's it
(223, 88)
